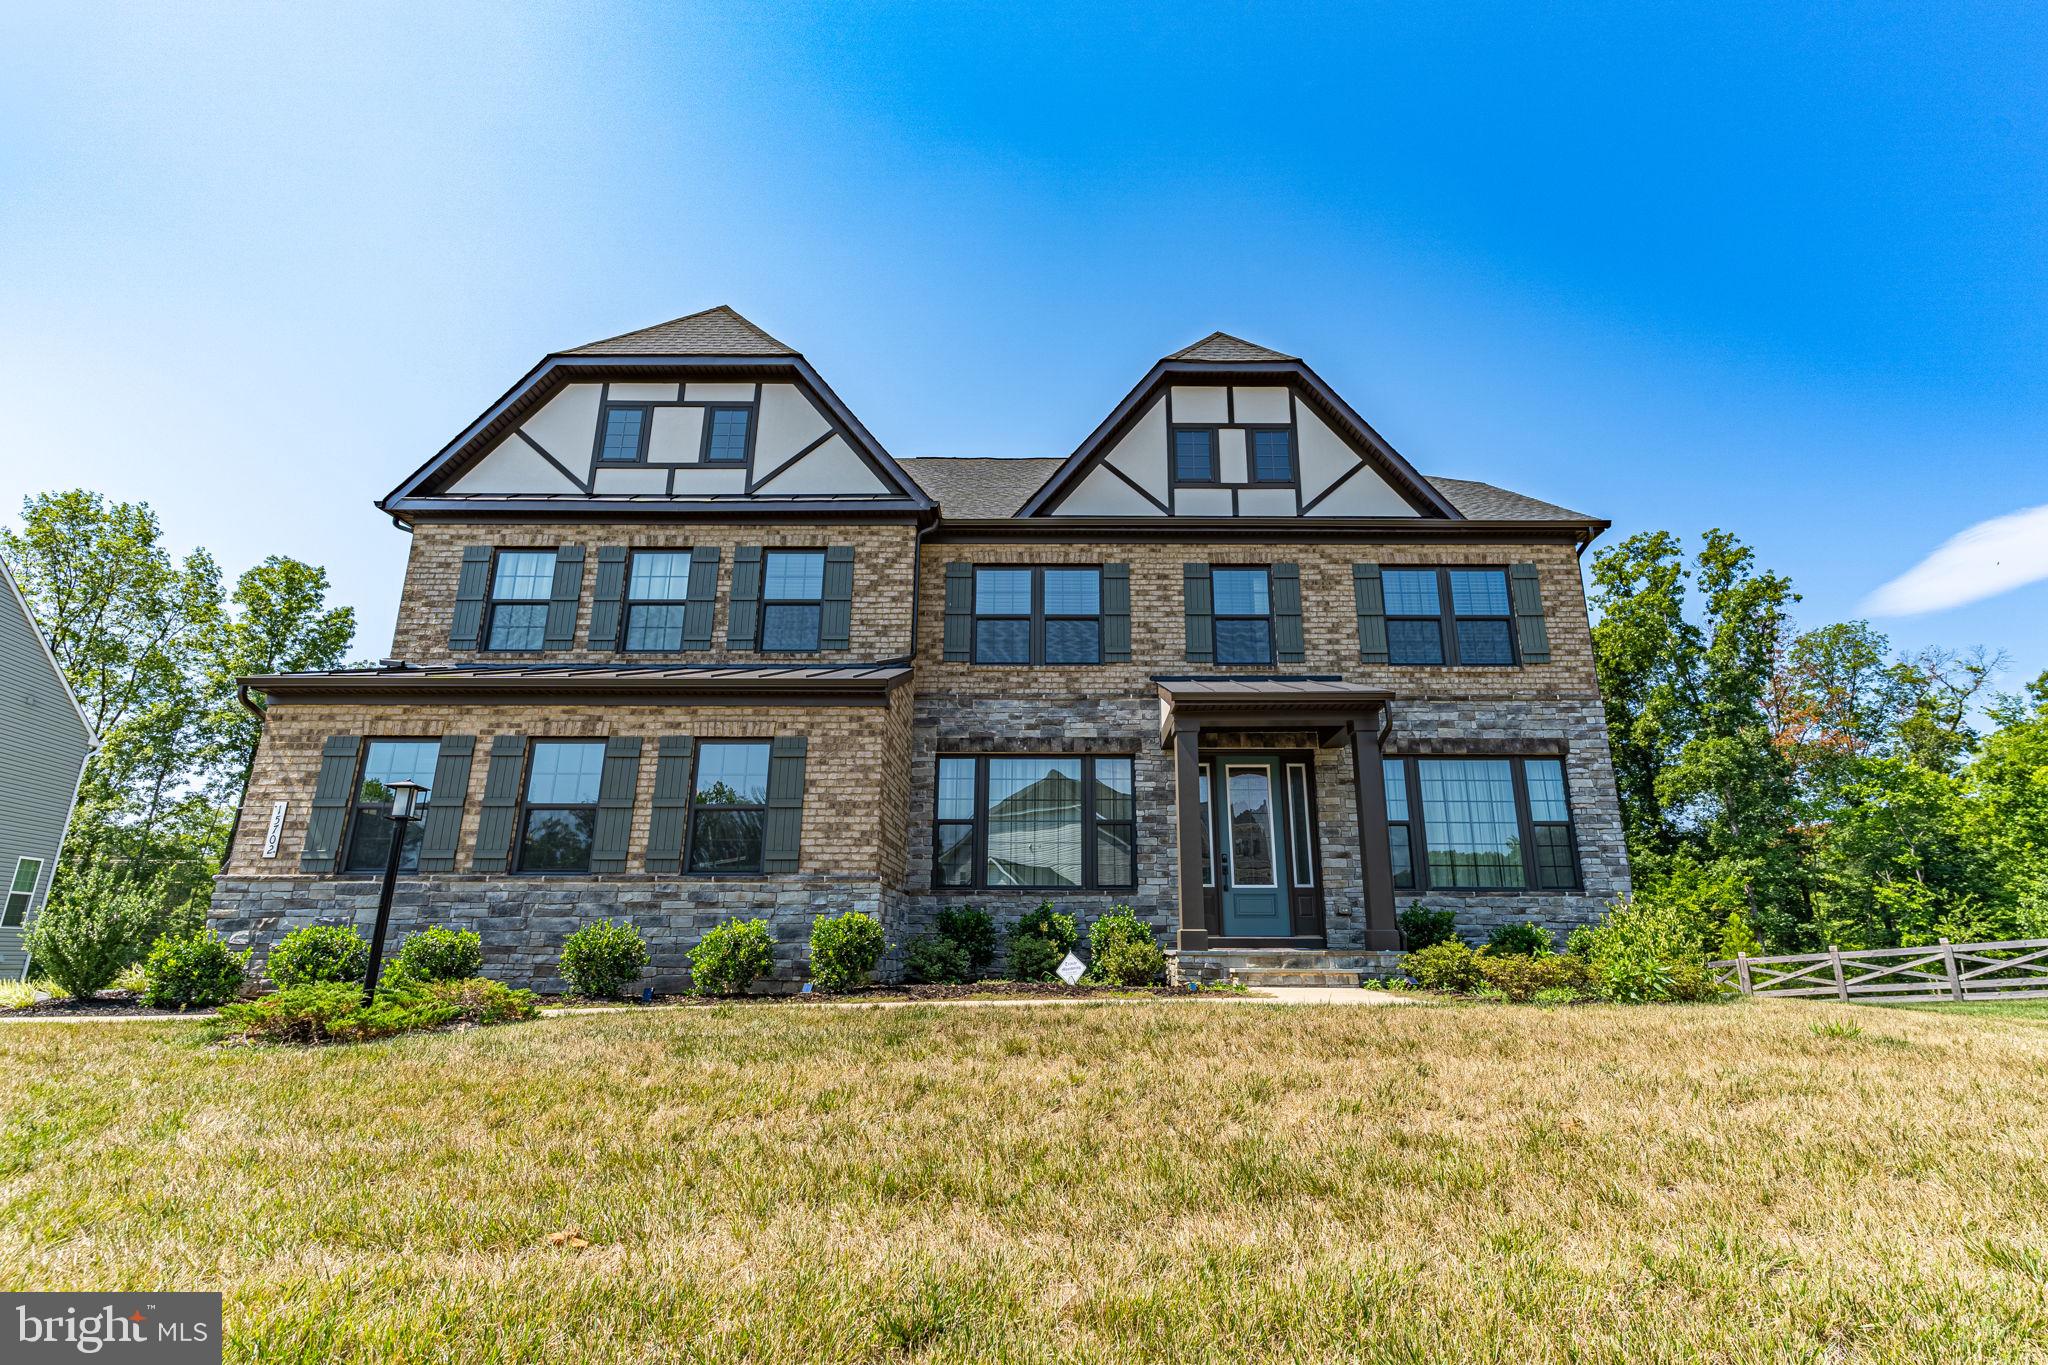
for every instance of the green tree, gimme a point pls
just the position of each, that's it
(279, 623)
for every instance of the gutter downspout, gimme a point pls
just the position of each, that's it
(261, 714)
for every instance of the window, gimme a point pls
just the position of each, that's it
(1301, 859)
(522, 582)
(1272, 455)
(1243, 616)
(560, 820)
(20, 891)
(728, 805)
(1480, 824)
(725, 435)
(1250, 794)
(1194, 455)
(792, 592)
(1046, 616)
(624, 438)
(657, 589)
(1454, 616)
(386, 761)
(1208, 839)
(1055, 823)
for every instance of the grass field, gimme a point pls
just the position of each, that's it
(1182, 1181)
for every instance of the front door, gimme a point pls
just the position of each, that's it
(1254, 866)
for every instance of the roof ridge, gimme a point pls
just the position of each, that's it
(718, 330)
(1221, 345)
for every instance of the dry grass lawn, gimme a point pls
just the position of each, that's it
(1181, 1181)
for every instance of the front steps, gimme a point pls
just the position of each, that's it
(1256, 967)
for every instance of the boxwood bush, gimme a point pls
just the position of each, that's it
(971, 928)
(439, 954)
(845, 950)
(731, 956)
(601, 959)
(1422, 927)
(1123, 949)
(1521, 937)
(193, 971)
(319, 953)
(935, 959)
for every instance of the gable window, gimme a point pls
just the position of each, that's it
(792, 600)
(1064, 822)
(1244, 615)
(725, 435)
(522, 581)
(728, 805)
(1045, 616)
(657, 590)
(386, 761)
(1480, 824)
(20, 891)
(559, 823)
(1194, 454)
(624, 435)
(1272, 455)
(1448, 616)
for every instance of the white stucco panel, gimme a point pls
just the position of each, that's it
(677, 437)
(644, 393)
(1324, 457)
(720, 393)
(1364, 494)
(1231, 457)
(513, 467)
(700, 481)
(1103, 494)
(832, 468)
(1143, 454)
(1200, 403)
(567, 427)
(1202, 502)
(638, 479)
(1265, 502)
(788, 423)
(1263, 406)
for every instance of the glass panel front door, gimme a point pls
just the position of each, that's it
(1255, 872)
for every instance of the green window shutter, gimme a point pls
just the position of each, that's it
(671, 806)
(1525, 591)
(470, 590)
(561, 627)
(1201, 613)
(1116, 613)
(442, 829)
(743, 610)
(782, 831)
(333, 793)
(1372, 613)
(835, 630)
(959, 612)
(608, 599)
(697, 611)
(501, 804)
(1287, 643)
(615, 787)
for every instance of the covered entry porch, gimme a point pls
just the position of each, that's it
(1280, 823)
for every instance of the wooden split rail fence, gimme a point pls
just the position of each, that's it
(1946, 971)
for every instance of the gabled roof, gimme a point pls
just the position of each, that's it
(49, 655)
(715, 331)
(1225, 347)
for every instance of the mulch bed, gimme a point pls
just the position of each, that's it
(106, 1002)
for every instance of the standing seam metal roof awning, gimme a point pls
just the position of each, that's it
(1325, 705)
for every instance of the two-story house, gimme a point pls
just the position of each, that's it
(681, 641)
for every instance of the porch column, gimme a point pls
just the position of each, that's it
(1194, 923)
(1381, 931)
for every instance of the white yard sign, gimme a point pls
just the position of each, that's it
(1071, 969)
(276, 830)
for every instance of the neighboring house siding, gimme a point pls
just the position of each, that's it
(43, 745)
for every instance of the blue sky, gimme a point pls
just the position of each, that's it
(1777, 269)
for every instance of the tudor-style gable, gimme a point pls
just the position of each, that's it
(1226, 428)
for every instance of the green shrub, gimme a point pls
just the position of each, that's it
(439, 954)
(1523, 938)
(972, 929)
(1522, 977)
(1649, 950)
(728, 959)
(845, 950)
(334, 1012)
(1556, 995)
(1579, 942)
(1447, 966)
(1122, 949)
(601, 959)
(319, 953)
(83, 938)
(1422, 927)
(478, 1000)
(1054, 926)
(1033, 958)
(935, 959)
(193, 971)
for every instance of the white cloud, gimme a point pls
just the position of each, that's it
(1981, 561)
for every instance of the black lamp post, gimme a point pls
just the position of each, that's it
(405, 808)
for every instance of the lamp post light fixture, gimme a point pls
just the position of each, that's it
(406, 797)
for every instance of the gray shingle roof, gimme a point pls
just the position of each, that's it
(715, 331)
(1223, 346)
(1484, 502)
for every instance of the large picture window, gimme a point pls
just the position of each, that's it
(1038, 616)
(1036, 823)
(386, 761)
(20, 891)
(1480, 824)
(559, 823)
(657, 590)
(728, 805)
(1448, 616)
(522, 582)
(792, 601)
(1244, 615)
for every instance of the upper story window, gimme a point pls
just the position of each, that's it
(522, 582)
(1480, 824)
(792, 600)
(1243, 601)
(1448, 616)
(725, 435)
(1272, 455)
(1067, 822)
(20, 891)
(657, 590)
(1045, 616)
(386, 761)
(559, 823)
(622, 437)
(729, 806)
(1194, 455)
